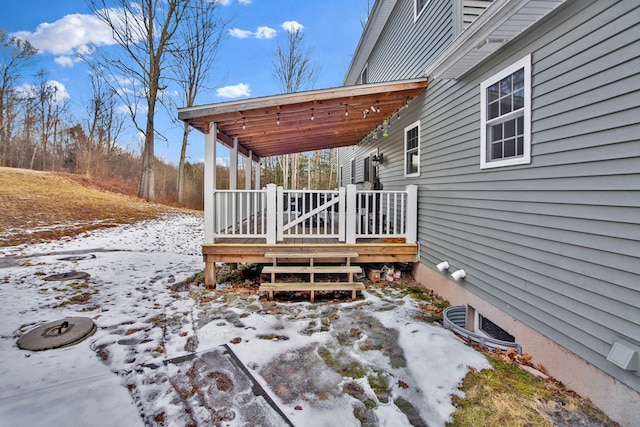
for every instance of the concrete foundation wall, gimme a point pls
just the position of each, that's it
(618, 401)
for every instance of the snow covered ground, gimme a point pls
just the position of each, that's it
(166, 353)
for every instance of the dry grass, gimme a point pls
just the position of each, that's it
(508, 396)
(39, 206)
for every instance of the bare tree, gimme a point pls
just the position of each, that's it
(294, 71)
(144, 31)
(103, 125)
(15, 56)
(199, 37)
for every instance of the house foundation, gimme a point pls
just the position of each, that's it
(620, 402)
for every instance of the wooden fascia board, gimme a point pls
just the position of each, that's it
(237, 107)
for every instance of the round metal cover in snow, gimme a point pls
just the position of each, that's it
(69, 275)
(61, 333)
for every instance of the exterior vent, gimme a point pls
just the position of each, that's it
(625, 355)
(455, 319)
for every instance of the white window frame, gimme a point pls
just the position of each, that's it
(352, 171)
(485, 161)
(417, 13)
(406, 151)
(340, 176)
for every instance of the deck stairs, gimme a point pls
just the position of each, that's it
(339, 263)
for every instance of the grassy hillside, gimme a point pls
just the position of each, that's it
(39, 206)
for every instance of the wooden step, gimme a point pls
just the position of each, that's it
(302, 269)
(311, 254)
(313, 287)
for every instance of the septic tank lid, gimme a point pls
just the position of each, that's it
(60, 333)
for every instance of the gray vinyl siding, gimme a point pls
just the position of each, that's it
(556, 243)
(403, 51)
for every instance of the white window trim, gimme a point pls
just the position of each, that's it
(417, 14)
(526, 156)
(411, 126)
(352, 171)
(341, 176)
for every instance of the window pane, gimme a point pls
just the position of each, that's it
(492, 92)
(493, 110)
(412, 138)
(518, 80)
(505, 105)
(496, 151)
(520, 146)
(518, 99)
(412, 162)
(510, 148)
(505, 86)
(496, 132)
(520, 125)
(510, 129)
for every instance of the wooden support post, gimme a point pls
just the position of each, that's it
(210, 274)
(271, 214)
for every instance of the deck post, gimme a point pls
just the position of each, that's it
(412, 214)
(271, 214)
(210, 274)
(342, 213)
(350, 217)
(210, 183)
(248, 171)
(280, 214)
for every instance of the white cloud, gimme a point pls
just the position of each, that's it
(223, 2)
(292, 26)
(245, 2)
(241, 89)
(68, 35)
(65, 61)
(223, 161)
(60, 93)
(265, 33)
(240, 34)
(261, 33)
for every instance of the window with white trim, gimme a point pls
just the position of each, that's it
(505, 117)
(412, 149)
(419, 6)
(366, 167)
(353, 171)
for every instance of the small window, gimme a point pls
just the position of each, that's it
(353, 171)
(412, 149)
(492, 330)
(363, 75)
(505, 109)
(420, 5)
(366, 167)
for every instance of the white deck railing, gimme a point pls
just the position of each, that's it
(346, 214)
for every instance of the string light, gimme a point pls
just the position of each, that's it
(244, 123)
(312, 117)
(346, 109)
(278, 121)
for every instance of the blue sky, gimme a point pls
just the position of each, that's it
(244, 64)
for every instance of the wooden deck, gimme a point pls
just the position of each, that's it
(254, 250)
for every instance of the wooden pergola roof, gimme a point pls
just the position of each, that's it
(304, 121)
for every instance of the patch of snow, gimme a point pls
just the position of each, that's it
(158, 356)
